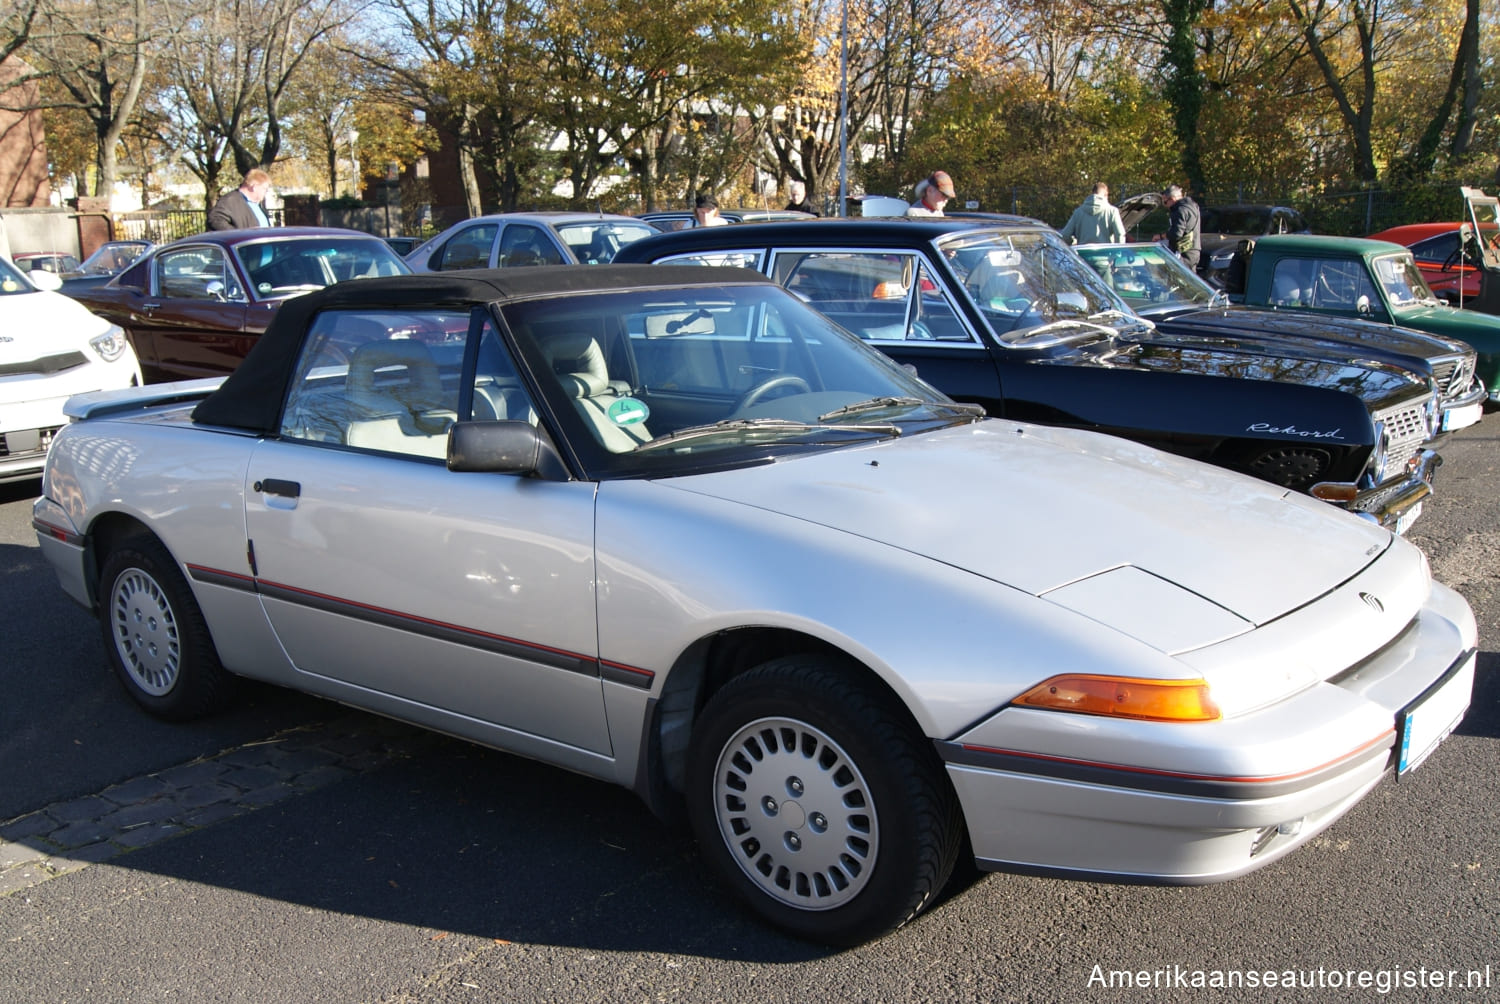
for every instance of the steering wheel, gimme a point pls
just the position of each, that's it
(770, 383)
(1455, 256)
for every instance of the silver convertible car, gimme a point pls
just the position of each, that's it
(671, 528)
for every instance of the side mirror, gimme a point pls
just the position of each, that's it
(1362, 305)
(503, 448)
(50, 281)
(215, 289)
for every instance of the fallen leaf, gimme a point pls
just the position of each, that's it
(440, 936)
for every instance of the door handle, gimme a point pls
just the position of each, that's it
(276, 486)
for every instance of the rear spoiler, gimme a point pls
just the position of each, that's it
(99, 403)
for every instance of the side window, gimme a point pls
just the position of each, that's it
(1340, 285)
(468, 248)
(387, 381)
(880, 296)
(185, 274)
(1291, 283)
(522, 246)
(499, 395)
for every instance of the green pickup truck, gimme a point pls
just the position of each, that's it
(1357, 277)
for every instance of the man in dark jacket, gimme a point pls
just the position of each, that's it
(1184, 227)
(241, 208)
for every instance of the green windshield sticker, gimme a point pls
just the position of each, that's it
(628, 411)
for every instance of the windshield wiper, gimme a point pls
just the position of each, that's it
(761, 425)
(873, 404)
(1027, 334)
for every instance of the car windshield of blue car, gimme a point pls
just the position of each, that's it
(1148, 275)
(715, 375)
(1032, 289)
(1402, 281)
(278, 267)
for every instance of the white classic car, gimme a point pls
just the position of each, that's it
(50, 349)
(671, 528)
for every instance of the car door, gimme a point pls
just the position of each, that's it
(384, 573)
(471, 247)
(191, 322)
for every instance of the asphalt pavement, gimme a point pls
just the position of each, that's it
(294, 850)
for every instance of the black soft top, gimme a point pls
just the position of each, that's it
(250, 398)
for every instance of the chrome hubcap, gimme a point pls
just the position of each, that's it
(796, 814)
(145, 632)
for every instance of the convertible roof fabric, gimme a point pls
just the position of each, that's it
(250, 398)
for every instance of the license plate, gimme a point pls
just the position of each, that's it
(1462, 418)
(1406, 519)
(1425, 722)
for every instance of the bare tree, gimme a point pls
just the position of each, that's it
(231, 64)
(97, 53)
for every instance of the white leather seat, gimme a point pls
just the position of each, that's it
(397, 393)
(578, 363)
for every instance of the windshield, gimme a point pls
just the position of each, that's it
(279, 267)
(597, 242)
(12, 280)
(1402, 281)
(1030, 287)
(113, 257)
(713, 374)
(1148, 275)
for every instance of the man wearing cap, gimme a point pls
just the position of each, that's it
(932, 194)
(1184, 227)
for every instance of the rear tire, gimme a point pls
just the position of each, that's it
(815, 799)
(155, 636)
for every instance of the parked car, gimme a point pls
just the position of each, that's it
(683, 219)
(50, 349)
(196, 306)
(512, 240)
(1437, 249)
(1009, 317)
(45, 261)
(107, 261)
(1224, 230)
(1357, 277)
(673, 529)
(1160, 287)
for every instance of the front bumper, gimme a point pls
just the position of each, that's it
(1394, 503)
(1052, 792)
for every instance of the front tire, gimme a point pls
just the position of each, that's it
(818, 803)
(155, 636)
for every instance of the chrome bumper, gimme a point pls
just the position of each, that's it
(1393, 503)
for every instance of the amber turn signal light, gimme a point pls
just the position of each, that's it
(1125, 697)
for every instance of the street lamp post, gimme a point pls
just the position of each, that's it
(844, 111)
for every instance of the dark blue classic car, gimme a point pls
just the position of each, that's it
(1006, 315)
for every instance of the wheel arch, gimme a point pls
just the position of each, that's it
(703, 669)
(105, 534)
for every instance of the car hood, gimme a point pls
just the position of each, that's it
(1240, 356)
(1477, 329)
(1136, 208)
(1040, 508)
(34, 325)
(1329, 337)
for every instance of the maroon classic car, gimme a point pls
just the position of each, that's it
(193, 308)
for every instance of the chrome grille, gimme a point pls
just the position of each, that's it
(1454, 376)
(1406, 431)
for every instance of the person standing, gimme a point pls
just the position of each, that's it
(1184, 225)
(799, 204)
(1096, 221)
(933, 194)
(241, 209)
(706, 212)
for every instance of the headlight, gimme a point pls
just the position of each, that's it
(110, 345)
(1382, 453)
